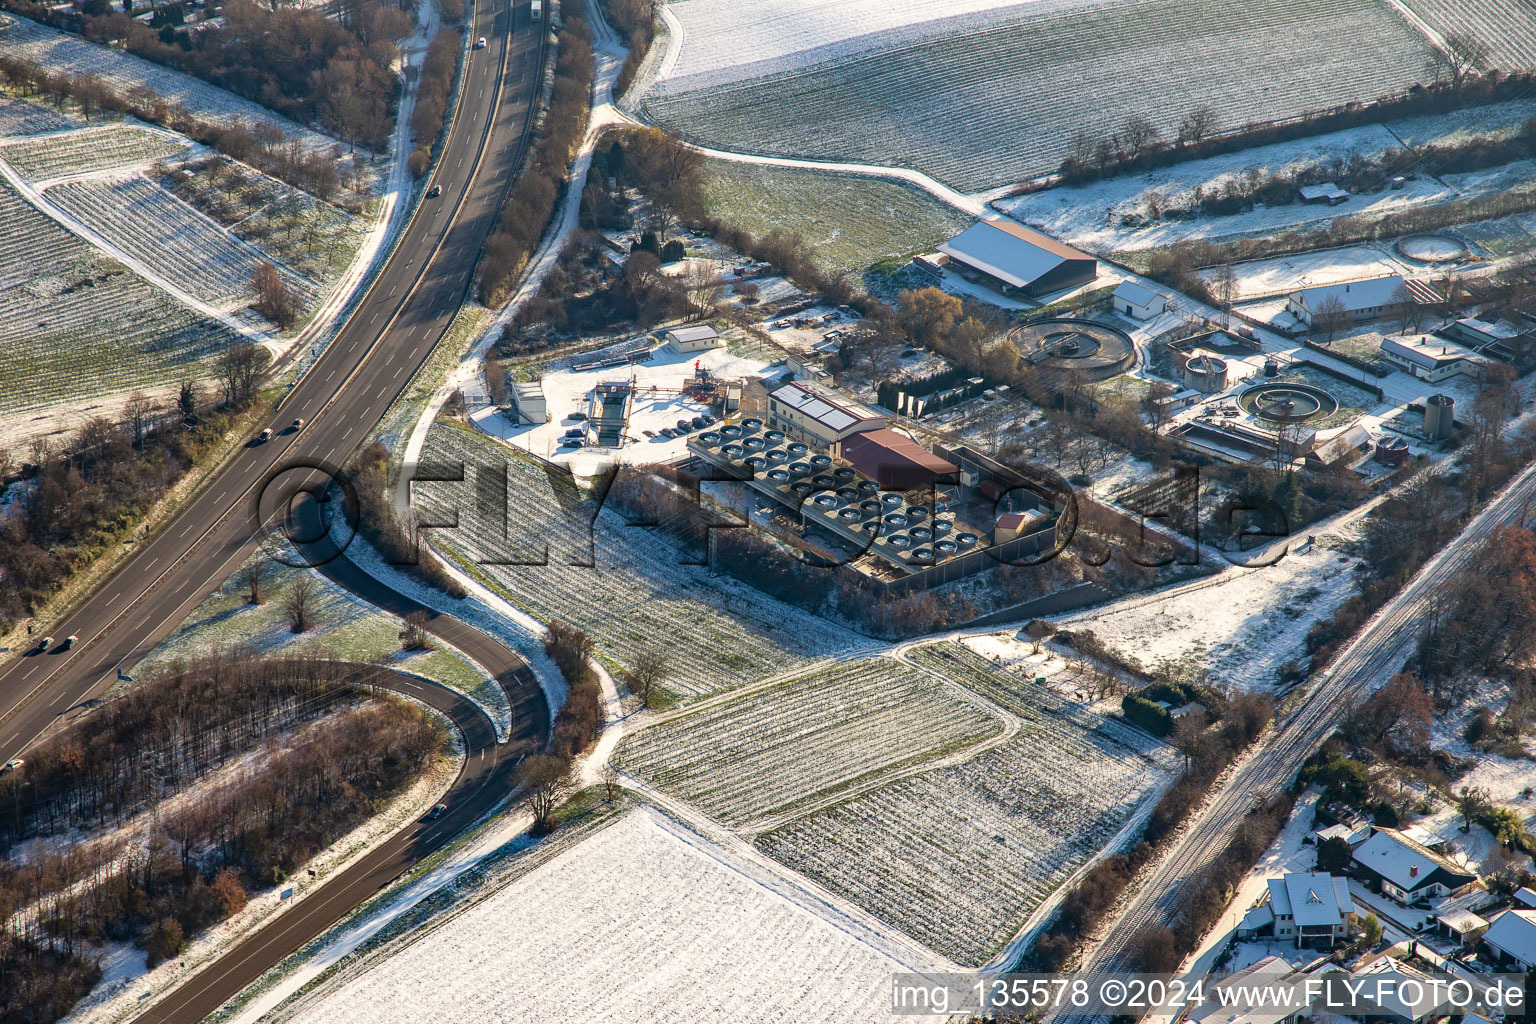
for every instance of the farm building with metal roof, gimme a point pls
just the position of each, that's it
(1017, 260)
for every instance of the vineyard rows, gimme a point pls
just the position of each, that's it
(19, 117)
(744, 758)
(987, 106)
(958, 857)
(152, 225)
(718, 634)
(61, 51)
(85, 150)
(69, 315)
(1507, 26)
(311, 237)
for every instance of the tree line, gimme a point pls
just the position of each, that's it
(306, 66)
(531, 203)
(541, 777)
(1140, 144)
(399, 541)
(331, 751)
(78, 499)
(433, 91)
(265, 147)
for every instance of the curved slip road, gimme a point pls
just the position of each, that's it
(483, 781)
(397, 324)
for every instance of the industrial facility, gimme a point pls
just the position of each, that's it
(965, 514)
(1016, 260)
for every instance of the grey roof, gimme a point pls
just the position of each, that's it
(831, 411)
(1355, 295)
(693, 332)
(1514, 931)
(1136, 294)
(1314, 898)
(1401, 861)
(1010, 252)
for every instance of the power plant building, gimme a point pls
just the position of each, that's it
(819, 415)
(1016, 260)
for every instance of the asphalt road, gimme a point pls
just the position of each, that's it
(484, 780)
(1377, 653)
(394, 329)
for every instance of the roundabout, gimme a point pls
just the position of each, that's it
(1287, 402)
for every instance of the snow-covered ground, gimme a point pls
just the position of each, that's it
(1090, 215)
(645, 921)
(658, 403)
(723, 37)
(63, 52)
(1241, 625)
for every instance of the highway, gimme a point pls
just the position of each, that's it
(483, 781)
(390, 334)
(1377, 652)
(392, 331)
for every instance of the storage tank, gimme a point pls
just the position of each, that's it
(1206, 374)
(1439, 417)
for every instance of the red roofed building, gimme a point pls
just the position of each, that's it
(894, 460)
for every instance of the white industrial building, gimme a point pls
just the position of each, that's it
(528, 401)
(1427, 358)
(1358, 301)
(1138, 303)
(693, 338)
(814, 412)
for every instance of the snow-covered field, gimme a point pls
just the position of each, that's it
(1284, 274)
(76, 151)
(960, 856)
(644, 921)
(63, 52)
(982, 99)
(69, 315)
(809, 736)
(1241, 625)
(151, 224)
(625, 586)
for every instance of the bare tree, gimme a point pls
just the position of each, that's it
(496, 380)
(540, 777)
(1329, 315)
(1462, 57)
(137, 411)
(273, 299)
(254, 574)
(651, 668)
(1197, 124)
(298, 603)
(610, 779)
(1188, 736)
(1140, 133)
(1408, 312)
(414, 636)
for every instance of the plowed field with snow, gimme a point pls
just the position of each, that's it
(980, 100)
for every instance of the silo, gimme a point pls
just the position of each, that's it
(1206, 374)
(1439, 417)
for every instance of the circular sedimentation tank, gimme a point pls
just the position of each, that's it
(1432, 248)
(1085, 349)
(1287, 402)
